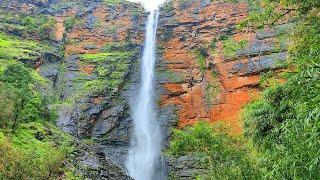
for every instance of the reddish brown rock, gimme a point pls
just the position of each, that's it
(193, 26)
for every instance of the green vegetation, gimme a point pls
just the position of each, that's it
(284, 123)
(111, 68)
(167, 6)
(202, 55)
(25, 103)
(28, 26)
(114, 2)
(69, 22)
(224, 156)
(12, 48)
(34, 151)
(231, 47)
(168, 75)
(117, 46)
(30, 147)
(212, 90)
(213, 43)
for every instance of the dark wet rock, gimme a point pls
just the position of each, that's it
(260, 64)
(266, 34)
(65, 121)
(91, 21)
(93, 164)
(185, 167)
(109, 119)
(40, 136)
(260, 48)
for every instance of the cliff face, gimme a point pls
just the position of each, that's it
(211, 68)
(99, 46)
(207, 69)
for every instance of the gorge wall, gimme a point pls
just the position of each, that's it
(207, 70)
(212, 68)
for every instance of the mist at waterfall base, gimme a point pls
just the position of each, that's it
(144, 153)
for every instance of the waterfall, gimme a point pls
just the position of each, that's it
(144, 153)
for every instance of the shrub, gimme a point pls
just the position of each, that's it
(225, 156)
(69, 22)
(24, 155)
(284, 122)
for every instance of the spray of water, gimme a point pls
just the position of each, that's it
(144, 153)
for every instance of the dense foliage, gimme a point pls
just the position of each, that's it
(17, 88)
(30, 146)
(284, 123)
(223, 155)
(34, 151)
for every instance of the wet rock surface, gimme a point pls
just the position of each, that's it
(185, 167)
(92, 163)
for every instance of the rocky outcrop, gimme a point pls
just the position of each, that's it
(218, 87)
(185, 167)
(92, 163)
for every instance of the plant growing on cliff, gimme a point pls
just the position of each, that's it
(69, 22)
(34, 26)
(113, 2)
(202, 54)
(231, 47)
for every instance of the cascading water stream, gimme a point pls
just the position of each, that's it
(144, 153)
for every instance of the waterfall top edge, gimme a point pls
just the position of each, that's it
(150, 5)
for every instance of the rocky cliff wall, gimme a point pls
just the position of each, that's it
(102, 53)
(210, 68)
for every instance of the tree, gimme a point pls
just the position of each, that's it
(16, 87)
(8, 99)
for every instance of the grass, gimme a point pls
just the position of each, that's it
(12, 48)
(105, 57)
(34, 151)
(24, 138)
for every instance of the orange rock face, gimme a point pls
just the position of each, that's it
(109, 26)
(201, 95)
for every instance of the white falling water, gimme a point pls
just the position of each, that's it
(144, 153)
